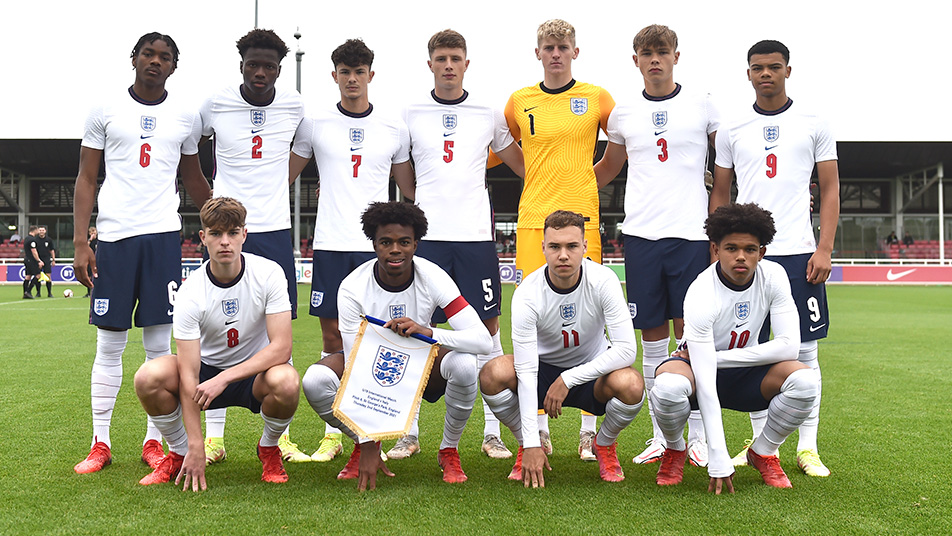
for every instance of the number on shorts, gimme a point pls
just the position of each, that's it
(814, 307)
(232, 335)
(172, 288)
(488, 289)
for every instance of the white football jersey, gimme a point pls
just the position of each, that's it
(773, 155)
(450, 142)
(361, 293)
(229, 320)
(566, 328)
(252, 151)
(354, 154)
(142, 143)
(667, 143)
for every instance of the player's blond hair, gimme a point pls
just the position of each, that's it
(561, 219)
(556, 28)
(223, 213)
(656, 35)
(446, 39)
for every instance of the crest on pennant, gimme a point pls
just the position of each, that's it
(257, 117)
(230, 307)
(356, 135)
(449, 121)
(567, 311)
(147, 122)
(659, 119)
(317, 298)
(101, 306)
(579, 106)
(742, 310)
(398, 311)
(389, 365)
(772, 133)
(633, 309)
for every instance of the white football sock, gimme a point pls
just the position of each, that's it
(459, 371)
(173, 430)
(654, 353)
(273, 428)
(543, 421)
(106, 378)
(588, 422)
(618, 416)
(490, 422)
(787, 410)
(672, 408)
(156, 341)
(757, 421)
(505, 405)
(320, 385)
(215, 422)
(809, 428)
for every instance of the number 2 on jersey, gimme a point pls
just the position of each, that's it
(256, 143)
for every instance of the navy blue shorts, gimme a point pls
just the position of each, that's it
(658, 274)
(239, 393)
(580, 396)
(140, 274)
(737, 388)
(810, 299)
(329, 269)
(276, 245)
(474, 266)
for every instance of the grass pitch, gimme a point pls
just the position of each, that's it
(884, 434)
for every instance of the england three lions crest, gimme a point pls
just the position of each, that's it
(389, 366)
(101, 306)
(230, 307)
(317, 298)
(356, 135)
(742, 310)
(449, 121)
(398, 311)
(147, 122)
(579, 106)
(567, 311)
(659, 119)
(772, 133)
(257, 117)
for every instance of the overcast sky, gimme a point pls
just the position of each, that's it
(877, 73)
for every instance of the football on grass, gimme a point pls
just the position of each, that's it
(68, 293)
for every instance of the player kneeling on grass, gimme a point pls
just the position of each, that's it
(232, 327)
(721, 364)
(405, 291)
(561, 355)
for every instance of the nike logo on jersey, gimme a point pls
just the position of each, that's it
(814, 328)
(770, 147)
(253, 131)
(660, 132)
(739, 325)
(892, 276)
(566, 324)
(447, 134)
(527, 109)
(488, 307)
(352, 149)
(144, 137)
(229, 322)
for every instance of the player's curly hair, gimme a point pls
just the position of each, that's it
(656, 35)
(222, 213)
(769, 46)
(353, 53)
(564, 218)
(446, 39)
(266, 39)
(398, 212)
(156, 36)
(556, 28)
(746, 218)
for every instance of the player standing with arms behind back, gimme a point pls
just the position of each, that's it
(773, 150)
(142, 134)
(667, 132)
(253, 125)
(558, 121)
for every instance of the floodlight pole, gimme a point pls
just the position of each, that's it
(297, 182)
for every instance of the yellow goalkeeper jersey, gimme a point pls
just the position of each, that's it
(558, 129)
